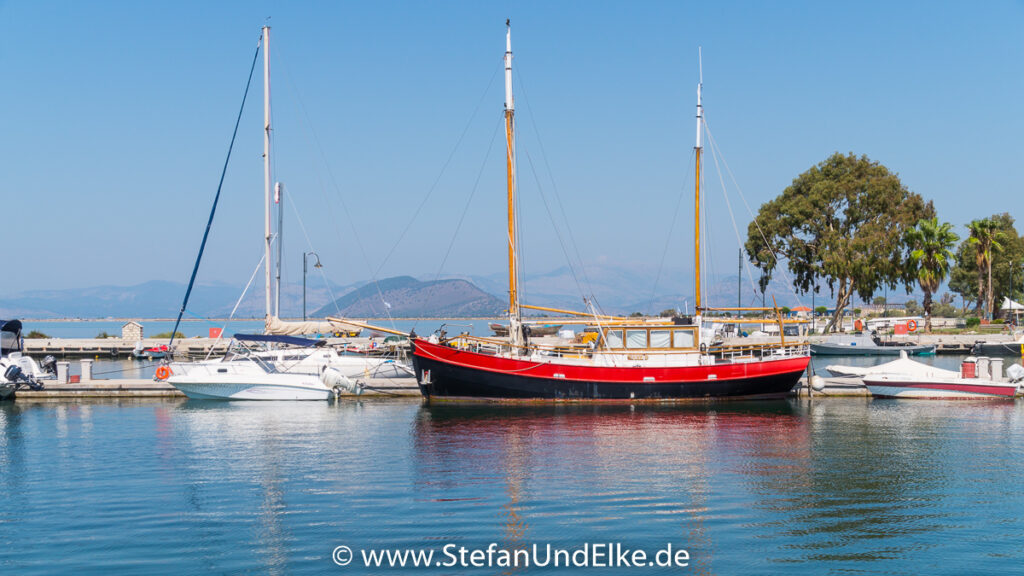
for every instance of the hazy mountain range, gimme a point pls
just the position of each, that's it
(614, 289)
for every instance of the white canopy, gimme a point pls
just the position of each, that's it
(1011, 305)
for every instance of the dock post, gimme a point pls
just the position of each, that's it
(63, 370)
(86, 369)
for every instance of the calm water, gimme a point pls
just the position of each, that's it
(836, 487)
(201, 328)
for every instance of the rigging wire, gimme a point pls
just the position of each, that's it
(337, 189)
(668, 238)
(440, 174)
(216, 198)
(462, 217)
(753, 219)
(715, 153)
(558, 198)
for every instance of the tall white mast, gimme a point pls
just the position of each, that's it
(515, 329)
(266, 164)
(699, 147)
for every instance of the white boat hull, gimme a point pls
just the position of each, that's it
(227, 390)
(901, 386)
(245, 382)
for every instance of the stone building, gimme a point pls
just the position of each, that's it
(131, 330)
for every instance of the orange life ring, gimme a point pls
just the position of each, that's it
(911, 325)
(163, 372)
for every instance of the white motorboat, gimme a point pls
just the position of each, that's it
(902, 365)
(246, 380)
(974, 381)
(16, 369)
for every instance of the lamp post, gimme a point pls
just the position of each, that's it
(305, 267)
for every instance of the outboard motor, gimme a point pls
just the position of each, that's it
(49, 365)
(13, 373)
(340, 383)
(1015, 373)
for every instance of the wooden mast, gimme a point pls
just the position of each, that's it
(696, 221)
(513, 262)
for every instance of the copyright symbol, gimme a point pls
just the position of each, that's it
(342, 555)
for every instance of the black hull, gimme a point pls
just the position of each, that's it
(998, 349)
(452, 381)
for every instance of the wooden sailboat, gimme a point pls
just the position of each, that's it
(630, 359)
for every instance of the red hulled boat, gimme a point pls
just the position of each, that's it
(629, 359)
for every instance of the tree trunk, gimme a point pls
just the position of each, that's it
(991, 312)
(981, 294)
(841, 301)
(927, 311)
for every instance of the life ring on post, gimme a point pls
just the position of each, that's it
(163, 373)
(911, 325)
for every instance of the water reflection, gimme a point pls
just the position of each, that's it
(836, 486)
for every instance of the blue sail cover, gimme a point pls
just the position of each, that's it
(290, 340)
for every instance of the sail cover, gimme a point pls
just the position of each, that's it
(280, 327)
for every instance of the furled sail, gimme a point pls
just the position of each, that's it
(275, 325)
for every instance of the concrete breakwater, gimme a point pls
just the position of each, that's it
(200, 347)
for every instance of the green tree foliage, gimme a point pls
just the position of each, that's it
(912, 307)
(162, 335)
(36, 334)
(931, 256)
(843, 221)
(969, 278)
(944, 309)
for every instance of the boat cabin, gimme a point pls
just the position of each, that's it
(664, 337)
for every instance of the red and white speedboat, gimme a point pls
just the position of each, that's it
(629, 359)
(969, 384)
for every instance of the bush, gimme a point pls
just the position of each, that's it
(821, 310)
(167, 335)
(104, 335)
(973, 321)
(36, 334)
(857, 311)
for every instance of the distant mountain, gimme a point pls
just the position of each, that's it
(155, 299)
(409, 297)
(618, 289)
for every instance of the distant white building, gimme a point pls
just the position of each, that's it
(131, 330)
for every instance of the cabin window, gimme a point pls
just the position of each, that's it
(682, 339)
(614, 339)
(636, 338)
(661, 339)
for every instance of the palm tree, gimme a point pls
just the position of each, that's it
(931, 253)
(986, 237)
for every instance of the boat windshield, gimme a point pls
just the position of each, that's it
(9, 342)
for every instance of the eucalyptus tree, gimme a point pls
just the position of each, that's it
(843, 221)
(931, 257)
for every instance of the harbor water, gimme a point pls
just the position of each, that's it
(841, 486)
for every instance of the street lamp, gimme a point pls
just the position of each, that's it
(305, 267)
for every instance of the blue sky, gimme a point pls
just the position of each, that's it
(117, 115)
